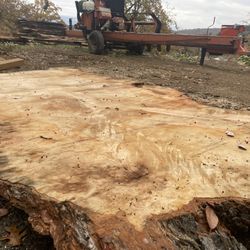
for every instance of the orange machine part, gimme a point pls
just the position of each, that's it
(232, 30)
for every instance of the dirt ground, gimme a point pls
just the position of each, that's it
(222, 82)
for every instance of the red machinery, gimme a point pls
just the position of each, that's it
(236, 30)
(104, 24)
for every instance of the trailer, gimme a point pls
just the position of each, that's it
(104, 24)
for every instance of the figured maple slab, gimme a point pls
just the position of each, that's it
(109, 146)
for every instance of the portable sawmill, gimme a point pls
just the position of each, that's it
(104, 24)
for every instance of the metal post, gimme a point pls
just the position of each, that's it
(168, 48)
(70, 24)
(78, 11)
(203, 55)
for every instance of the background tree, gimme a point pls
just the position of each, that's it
(139, 8)
(46, 11)
(12, 10)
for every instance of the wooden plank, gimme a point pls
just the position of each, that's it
(11, 39)
(48, 39)
(56, 40)
(10, 64)
(74, 33)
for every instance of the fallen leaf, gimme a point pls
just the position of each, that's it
(14, 236)
(46, 138)
(230, 133)
(242, 147)
(212, 218)
(3, 212)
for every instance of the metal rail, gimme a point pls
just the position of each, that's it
(226, 44)
(215, 44)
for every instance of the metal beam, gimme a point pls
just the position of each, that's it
(226, 44)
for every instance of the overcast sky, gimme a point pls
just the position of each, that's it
(191, 13)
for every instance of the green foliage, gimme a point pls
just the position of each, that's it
(184, 56)
(139, 8)
(8, 46)
(45, 11)
(244, 60)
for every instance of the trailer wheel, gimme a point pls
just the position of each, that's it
(136, 49)
(96, 42)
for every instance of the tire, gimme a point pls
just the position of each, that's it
(96, 42)
(136, 49)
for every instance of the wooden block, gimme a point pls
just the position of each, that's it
(10, 64)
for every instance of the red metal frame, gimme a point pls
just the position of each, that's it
(232, 30)
(228, 41)
(228, 44)
(219, 44)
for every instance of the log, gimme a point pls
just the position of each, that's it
(10, 64)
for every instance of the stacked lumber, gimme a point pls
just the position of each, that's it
(45, 33)
(35, 28)
(44, 39)
(49, 39)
